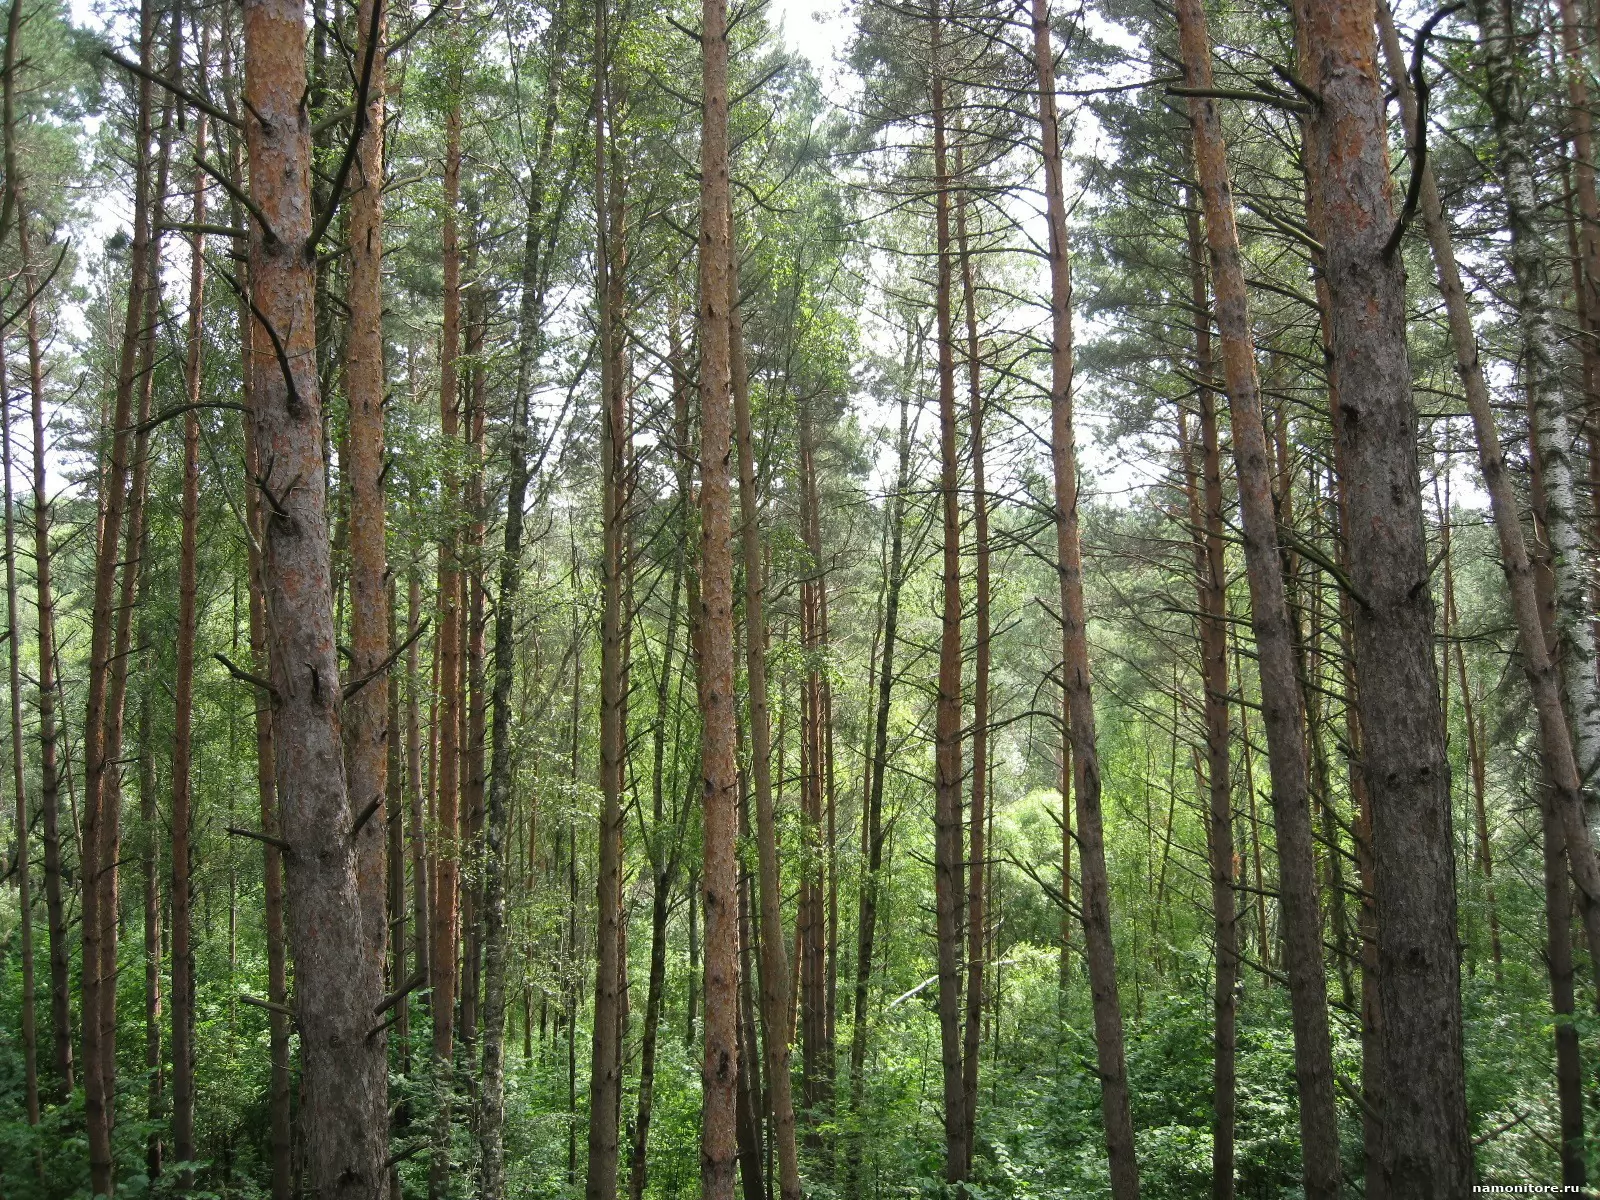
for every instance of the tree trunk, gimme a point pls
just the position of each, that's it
(97, 866)
(948, 875)
(719, 797)
(491, 1101)
(815, 800)
(774, 975)
(1426, 1150)
(605, 1070)
(183, 975)
(1115, 1103)
(874, 833)
(49, 779)
(1273, 625)
(337, 981)
(752, 1172)
(154, 1064)
(1531, 585)
(664, 861)
(1558, 956)
(1586, 269)
(23, 865)
(367, 712)
(1211, 587)
(972, 1041)
(281, 1135)
(446, 873)
(1553, 432)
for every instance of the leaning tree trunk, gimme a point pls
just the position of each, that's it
(1271, 620)
(1426, 1150)
(718, 762)
(1115, 1102)
(337, 982)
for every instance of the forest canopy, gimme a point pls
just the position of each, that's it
(942, 598)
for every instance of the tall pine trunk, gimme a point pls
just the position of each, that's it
(718, 756)
(1531, 584)
(367, 711)
(1211, 587)
(183, 975)
(23, 864)
(49, 776)
(976, 862)
(1272, 622)
(97, 865)
(447, 776)
(948, 875)
(1078, 718)
(605, 1063)
(337, 982)
(774, 975)
(1425, 1150)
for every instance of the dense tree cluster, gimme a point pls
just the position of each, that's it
(587, 612)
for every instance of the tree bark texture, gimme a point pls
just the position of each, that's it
(1426, 1150)
(337, 982)
(718, 756)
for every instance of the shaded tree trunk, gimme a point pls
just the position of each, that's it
(23, 864)
(774, 975)
(49, 777)
(874, 832)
